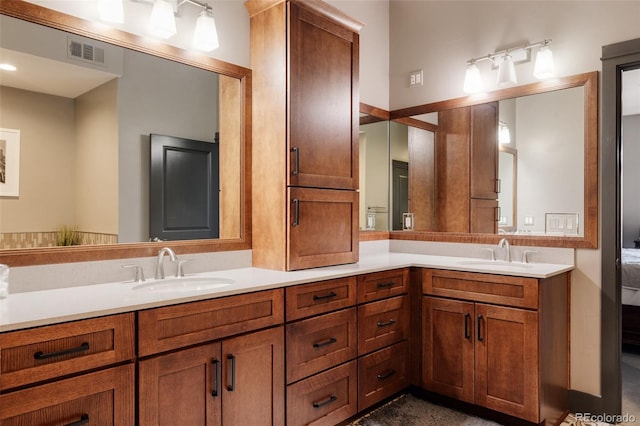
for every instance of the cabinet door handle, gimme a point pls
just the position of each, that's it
(498, 185)
(480, 338)
(385, 285)
(296, 212)
(498, 213)
(386, 324)
(296, 160)
(467, 318)
(41, 355)
(329, 341)
(232, 364)
(327, 400)
(317, 298)
(215, 374)
(84, 420)
(386, 374)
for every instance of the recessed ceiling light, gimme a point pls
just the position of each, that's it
(7, 67)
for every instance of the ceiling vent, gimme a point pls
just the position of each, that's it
(86, 52)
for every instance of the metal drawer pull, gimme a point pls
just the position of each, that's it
(385, 285)
(326, 296)
(386, 374)
(296, 164)
(296, 212)
(386, 324)
(467, 318)
(480, 338)
(41, 355)
(84, 420)
(232, 386)
(328, 400)
(215, 386)
(329, 341)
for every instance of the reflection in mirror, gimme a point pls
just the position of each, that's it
(508, 176)
(85, 125)
(374, 176)
(114, 202)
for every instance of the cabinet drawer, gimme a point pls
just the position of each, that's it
(382, 323)
(318, 298)
(382, 374)
(498, 289)
(30, 356)
(318, 343)
(381, 285)
(102, 398)
(324, 399)
(173, 327)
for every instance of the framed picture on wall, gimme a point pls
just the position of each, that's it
(9, 163)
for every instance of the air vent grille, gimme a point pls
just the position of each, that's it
(86, 52)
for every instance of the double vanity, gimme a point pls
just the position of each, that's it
(318, 345)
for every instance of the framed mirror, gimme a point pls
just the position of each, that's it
(114, 203)
(553, 155)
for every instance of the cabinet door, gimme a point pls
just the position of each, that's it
(507, 361)
(484, 151)
(323, 227)
(181, 388)
(483, 216)
(448, 347)
(103, 398)
(323, 102)
(253, 379)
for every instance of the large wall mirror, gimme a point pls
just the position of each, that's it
(547, 143)
(84, 136)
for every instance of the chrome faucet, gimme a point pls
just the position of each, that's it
(160, 265)
(505, 243)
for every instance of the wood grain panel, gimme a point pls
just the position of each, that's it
(382, 323)
(382, 374)
(381, 285)
(317, 298)
(422, 178)
(484, 151)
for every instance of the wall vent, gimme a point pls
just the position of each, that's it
(86, 52)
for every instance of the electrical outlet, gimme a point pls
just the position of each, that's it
(416, 78)
(528, 220)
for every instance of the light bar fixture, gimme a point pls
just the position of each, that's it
(162, 22)
(505, 62)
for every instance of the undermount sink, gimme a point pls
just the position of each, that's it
(495, 264)
(184, 284)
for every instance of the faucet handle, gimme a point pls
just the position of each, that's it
(492, 251)
(139, 277)
(180, 269)
(525, 255)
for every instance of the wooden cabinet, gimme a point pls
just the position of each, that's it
(467, 169)
(509, 359)
(80, 372)
(304, 60)
(215, 383)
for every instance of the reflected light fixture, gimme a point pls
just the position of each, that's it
(7, 67)
(111, 11)
(504, 135)
(505, 61)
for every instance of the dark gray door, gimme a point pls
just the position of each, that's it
(400, 173)
(183, 188)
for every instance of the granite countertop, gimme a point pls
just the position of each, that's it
(36, 308)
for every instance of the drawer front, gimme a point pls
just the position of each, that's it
(318, 298)
(382, 323)
(382, 374)
(318, 343)
(30, 356)
(381, 285)
(103, 398)
(324, 399)
(173, 327)
(499, 289)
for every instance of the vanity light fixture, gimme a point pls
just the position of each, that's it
(162, 22)
(505, 61)
(504, 135)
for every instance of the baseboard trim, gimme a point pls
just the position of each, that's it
(582, 402)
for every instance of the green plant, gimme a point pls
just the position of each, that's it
(67, 236)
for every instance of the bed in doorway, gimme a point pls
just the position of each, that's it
(631, 296)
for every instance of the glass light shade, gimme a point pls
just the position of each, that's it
(507, 71)
(111, 11)
(504, 135)
(162, 22)
(472, 80)
(544, 67)
(205, 36)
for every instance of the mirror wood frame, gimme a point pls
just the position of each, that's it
(591, 145)
(37, 256)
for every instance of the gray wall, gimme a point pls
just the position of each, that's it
(630, 180)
